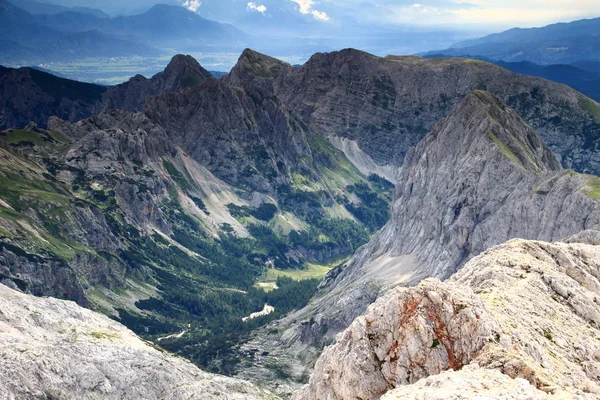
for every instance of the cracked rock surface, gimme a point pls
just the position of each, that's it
(55, 349)
(526, 310)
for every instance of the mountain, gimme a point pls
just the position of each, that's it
(582, 80)
(32, 95)
(459, 191)
(480, 177)
(167, 219)
(160, 25)
(518, 321)
(38, 8)
(386, 105)
(56, 349)
(75, 34)
(182, 72)
(29, 40)
(561, 43)
(164, 23)
(49, 95)
(172, 217)
(18, 26)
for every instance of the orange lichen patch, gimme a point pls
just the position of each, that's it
(440, 331)
(410, 307)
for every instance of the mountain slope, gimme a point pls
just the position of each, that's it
(561, 43)
(56, 349)
(31, 95)
(527, 309)
(386, 105)
(482, 176)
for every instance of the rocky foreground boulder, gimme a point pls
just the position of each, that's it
(55, 349)
(520, 321)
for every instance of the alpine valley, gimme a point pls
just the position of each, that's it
(351, 228)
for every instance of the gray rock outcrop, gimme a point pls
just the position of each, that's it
(528, 309)
(51, 348)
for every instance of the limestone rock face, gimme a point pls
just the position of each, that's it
(55, 349)
(233, 133)
(528, 309)
(407, 335)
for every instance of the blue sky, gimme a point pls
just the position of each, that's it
(508, 13)
(448, 13)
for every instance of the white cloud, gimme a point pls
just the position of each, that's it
(192, 5)
(306, 7)
(254, 7)
(320, 15)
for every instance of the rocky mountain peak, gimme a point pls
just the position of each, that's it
(348, 55)
(252, 65)
(183, 71)
(482, 125)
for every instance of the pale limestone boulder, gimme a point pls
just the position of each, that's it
(55, 349)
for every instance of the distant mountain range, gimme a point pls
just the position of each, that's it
(62, 34)
(583, 76)
(38, 8)
(585, 81)
(562, 43)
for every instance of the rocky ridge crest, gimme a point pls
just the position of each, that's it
(528, 309)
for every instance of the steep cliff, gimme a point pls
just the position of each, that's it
(56, 349)
(527, 309)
